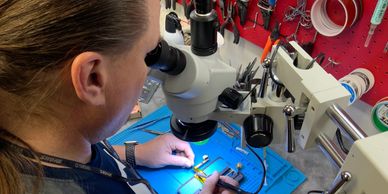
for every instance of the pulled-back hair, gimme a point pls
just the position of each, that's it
(38, 38)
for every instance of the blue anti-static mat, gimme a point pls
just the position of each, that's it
(282, 177)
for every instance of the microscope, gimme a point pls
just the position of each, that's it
(294, 90)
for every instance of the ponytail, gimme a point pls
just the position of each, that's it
(13, 163)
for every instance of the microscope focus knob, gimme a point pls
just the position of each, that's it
(258, 130)
(288, 110)
(231, 98)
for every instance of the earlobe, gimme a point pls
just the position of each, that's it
(88, 76)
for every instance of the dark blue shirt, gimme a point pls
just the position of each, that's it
(89, 182)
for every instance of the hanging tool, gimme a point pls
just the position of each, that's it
(386, 48)
(273, 39)
(187, 8)
(222, 8)
(293, 36)
(254, 22)
(229, 19)
(331, 62)
(266, 7)
(221, 183)
(242, 10)
(377, 16)
(168, 4)
(174, 4)
(309, 46)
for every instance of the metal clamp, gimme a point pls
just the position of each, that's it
(288, 111)
(345, 177)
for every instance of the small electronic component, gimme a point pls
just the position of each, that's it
(239, 166)
(237, 176)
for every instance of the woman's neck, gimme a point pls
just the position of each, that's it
(55, 140)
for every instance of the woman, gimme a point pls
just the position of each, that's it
(70, 74)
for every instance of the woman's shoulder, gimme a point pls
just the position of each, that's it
(49, 185)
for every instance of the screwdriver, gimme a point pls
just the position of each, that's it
(377, 16)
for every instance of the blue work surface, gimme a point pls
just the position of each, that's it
(282, 177)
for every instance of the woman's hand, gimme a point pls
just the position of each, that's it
(210, 186)
(158, 152)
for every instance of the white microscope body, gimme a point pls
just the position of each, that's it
(193, 95)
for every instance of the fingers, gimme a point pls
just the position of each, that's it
(210, 183)
(179, 145)
(178, 161)
(229, 180)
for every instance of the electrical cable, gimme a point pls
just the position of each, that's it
(249, 93)
(341, 142)
(264, 170)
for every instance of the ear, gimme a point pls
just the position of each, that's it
(89, 75)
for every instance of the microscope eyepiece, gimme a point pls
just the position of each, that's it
(166, 58)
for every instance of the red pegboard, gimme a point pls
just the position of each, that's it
(347, 48)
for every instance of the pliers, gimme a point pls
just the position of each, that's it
(242, 10)
(273, 39)
(229, 19)
(266, 7)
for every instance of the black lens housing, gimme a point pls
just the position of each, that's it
(204, 25)
(166, 58)
(192, 132)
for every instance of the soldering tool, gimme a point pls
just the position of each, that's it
(223, 184)
(377, 16)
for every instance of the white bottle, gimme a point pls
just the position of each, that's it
(173, 30)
